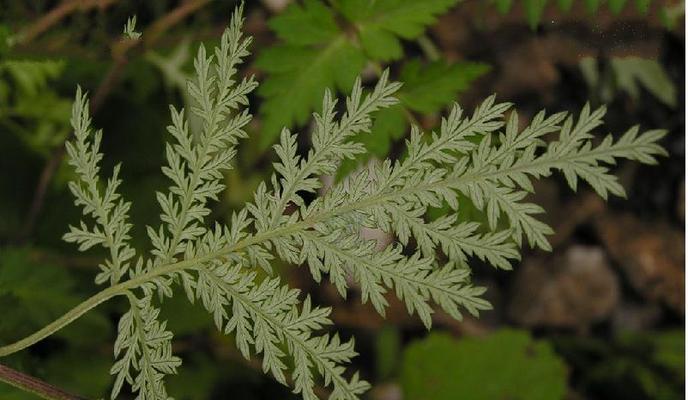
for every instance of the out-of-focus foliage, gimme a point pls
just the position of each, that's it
(646, 365)
(506, 364)
(32, 294)
(672, 15)
(327, 47)
(628, 74)
(533, 9)
(29, 107)
(387, 348)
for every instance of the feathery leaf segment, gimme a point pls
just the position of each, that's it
(481, 156)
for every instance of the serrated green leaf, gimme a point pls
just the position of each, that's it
(404, 18)
(428, 88)
(43, 115)
(129, 31)
(382, 23)
(317, 54)
(380, 45)
(299, 80)
(301, 25)
(506, 364)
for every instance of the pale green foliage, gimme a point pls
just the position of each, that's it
(107, 208)
(145, 345)
(32, 77)
(195, 165)
(471, 155)
(129, 30)
(628, 74)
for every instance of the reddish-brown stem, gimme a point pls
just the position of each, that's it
(56, 15)
(34, 385)
(172, 18)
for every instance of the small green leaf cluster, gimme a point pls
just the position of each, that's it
(29, 108)
(483, 156)
(650, 364)
(129, 30)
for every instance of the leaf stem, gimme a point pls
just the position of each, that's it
(92, 302)
(56, 15)
(123, 287)
(167, 269)
(133, 283)
(64, 320)
(33, 385)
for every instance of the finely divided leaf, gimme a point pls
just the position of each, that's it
(483, 156)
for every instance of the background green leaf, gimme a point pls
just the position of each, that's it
(507, 364)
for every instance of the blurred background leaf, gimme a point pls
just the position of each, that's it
(506, 364)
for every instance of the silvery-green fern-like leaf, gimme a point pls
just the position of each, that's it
(481, 156)
(108, 210)
(143, 344)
